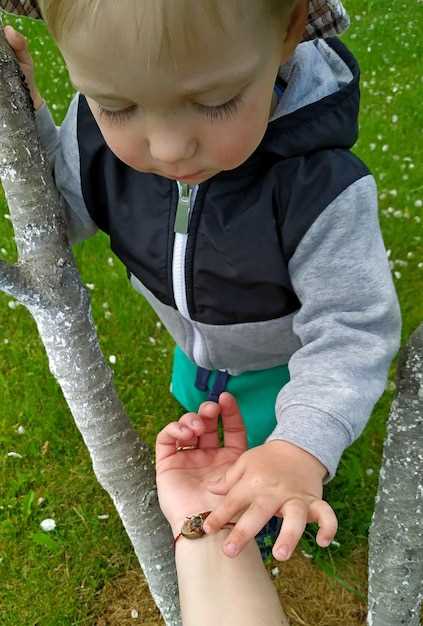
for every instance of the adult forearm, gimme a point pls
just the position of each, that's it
(215, 589)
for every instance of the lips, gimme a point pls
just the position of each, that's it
(193, 175)
(179, 176)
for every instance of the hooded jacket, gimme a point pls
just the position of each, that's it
(280, 260)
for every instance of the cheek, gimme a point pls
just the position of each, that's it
(125, 146)
(122, 142)
(239, 137)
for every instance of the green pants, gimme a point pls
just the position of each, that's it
(255, 393)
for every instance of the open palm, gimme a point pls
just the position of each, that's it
(182, 476)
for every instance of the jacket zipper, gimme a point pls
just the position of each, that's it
(183, 214)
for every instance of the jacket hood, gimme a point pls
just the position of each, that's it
(320, 106)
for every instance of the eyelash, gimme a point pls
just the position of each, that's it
(226, 110)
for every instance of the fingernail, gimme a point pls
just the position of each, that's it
(282, 552)
(324, 543)
(231, 549)
(195, 423)
(206, 528)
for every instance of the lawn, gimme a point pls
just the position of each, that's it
(59, 578)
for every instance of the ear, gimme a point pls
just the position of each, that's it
(296, 28)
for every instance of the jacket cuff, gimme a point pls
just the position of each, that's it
(315, 431)
(47, 130)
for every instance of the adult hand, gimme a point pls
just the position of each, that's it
(182, 476)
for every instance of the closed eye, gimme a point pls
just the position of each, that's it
(117, 117)
(221, 111)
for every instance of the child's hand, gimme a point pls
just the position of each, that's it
(20, 48)
(182, 476)
(276, 478)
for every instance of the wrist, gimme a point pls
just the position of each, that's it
(38, 102)
(297, 450)
(184, 545)
(177, 527)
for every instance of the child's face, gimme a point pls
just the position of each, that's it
(190, 122)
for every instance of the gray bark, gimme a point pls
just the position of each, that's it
(45, 279)
(396, 533)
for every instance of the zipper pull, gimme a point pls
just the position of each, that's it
(182, 212)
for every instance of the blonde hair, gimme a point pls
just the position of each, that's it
(165, 27)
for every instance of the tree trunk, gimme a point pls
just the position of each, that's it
(46, 280)
(396, 534)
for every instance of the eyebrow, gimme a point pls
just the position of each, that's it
(196, 89)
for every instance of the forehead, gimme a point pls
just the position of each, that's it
(114, 53)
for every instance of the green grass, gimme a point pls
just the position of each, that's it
(53, 579)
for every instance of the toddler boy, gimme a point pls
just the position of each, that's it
(213, 147)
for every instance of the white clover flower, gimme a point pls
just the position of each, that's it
(48, 525)
(112, 359)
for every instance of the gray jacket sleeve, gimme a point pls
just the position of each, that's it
(349, 326)
(61, 146)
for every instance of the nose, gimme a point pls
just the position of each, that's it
(170, 144)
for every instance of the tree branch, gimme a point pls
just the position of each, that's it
(11, 281)
(396, 533)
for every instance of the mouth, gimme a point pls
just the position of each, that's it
(187, 177)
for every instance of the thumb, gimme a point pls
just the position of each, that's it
(222, 483)
(218, 485)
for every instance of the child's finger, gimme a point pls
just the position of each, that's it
(322, 513)
(295, 514)
(168, 438)
(220, 483)
(19, 44)
(233, 424)
(247, 527)
(235, 502)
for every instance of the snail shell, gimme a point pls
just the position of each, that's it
(193, 525)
